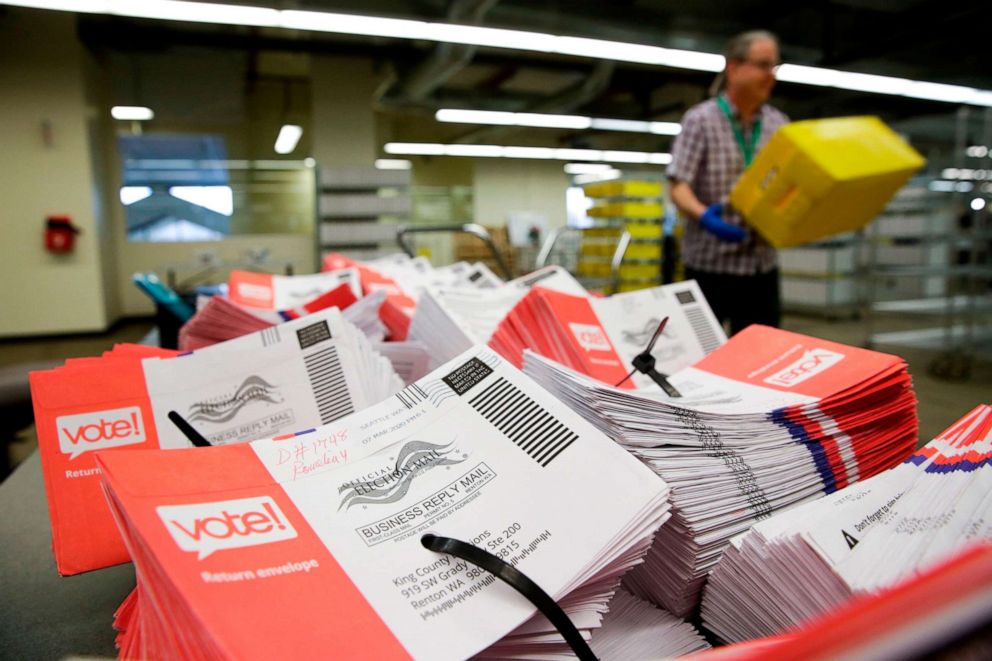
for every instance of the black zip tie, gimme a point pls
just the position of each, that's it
(519, 582)
(195, 437)
(644, 363)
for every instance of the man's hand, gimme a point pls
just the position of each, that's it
(713, 222)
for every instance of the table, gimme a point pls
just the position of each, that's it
(44, 615)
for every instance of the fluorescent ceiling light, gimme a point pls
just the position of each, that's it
(966, 174)
(586, 168)
(597, 176)
(666, 128)
(544, 120)
(977, 151)
(484, 151)
(977, 204)
(500, 38)
(626, 156)
(414, 148)
(941, 186)
(288, 136)
(133, 113)
(543, 153)
(630, 125)
(567, 154)
(392, 164)
(499, 118)
(553, 121)
(493, 117)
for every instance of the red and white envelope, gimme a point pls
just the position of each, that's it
(601, 336)
(767, 420)
(282, 379)
(285, 292)
(309, 545)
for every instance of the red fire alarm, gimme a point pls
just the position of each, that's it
(60, 234)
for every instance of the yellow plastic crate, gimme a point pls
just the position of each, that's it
(634, 285)
(598, 249)
(821, 177)
(643, 251)
(591, 269)
(639, 271)
(601, 233)
(626, 210)
(624, 189)
(644, 230)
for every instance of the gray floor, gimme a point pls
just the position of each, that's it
(941, 401)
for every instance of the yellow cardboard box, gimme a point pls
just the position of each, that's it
(821, 177)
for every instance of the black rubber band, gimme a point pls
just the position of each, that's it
(644, 363)
(519, 582)
(195, 437)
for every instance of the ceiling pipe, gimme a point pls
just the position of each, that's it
(447, 59)
(567, 101)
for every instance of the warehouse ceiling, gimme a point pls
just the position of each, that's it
(920, 39)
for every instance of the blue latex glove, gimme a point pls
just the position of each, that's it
(713, 222)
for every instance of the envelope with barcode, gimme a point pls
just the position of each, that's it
(601, 336)
(860, 540)
(310, 546)
(282, 379)
(451, 319)
(769, 419)
(285, 292)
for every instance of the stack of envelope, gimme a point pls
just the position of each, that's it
(601, 336)
(860, 540)
(635, 629)
(285, 292)
(945, 609)
(410, 359)
(769, 419)
(400, 294)
(450, 319)
(311, 545)
(403, 279)
(294, 376)
(218, 319)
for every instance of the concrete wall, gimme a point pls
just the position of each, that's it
(507, 186)
(46, 168)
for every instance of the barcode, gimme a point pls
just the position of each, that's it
(685, 296)
(328, 383)
(523, 421)
(702, 329)
(411, 395)
(270, 336)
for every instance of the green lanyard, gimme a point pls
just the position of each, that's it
(747, 147)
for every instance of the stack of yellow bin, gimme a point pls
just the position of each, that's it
(634, 206)
(822, 177)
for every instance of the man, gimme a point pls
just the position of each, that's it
(735, 267)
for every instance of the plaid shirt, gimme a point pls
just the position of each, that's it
(706, 156)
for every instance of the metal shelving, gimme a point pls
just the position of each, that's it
(945, 294)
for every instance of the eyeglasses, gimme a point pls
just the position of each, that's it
(764, 65)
